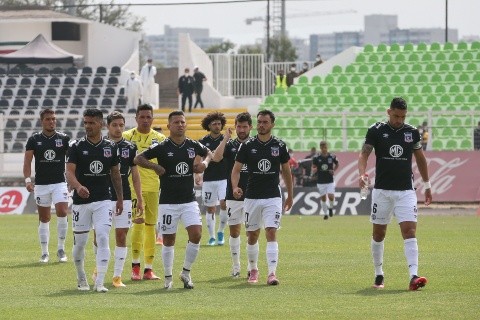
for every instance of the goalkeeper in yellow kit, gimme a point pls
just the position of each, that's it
(143, 230)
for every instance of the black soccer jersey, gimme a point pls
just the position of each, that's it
(127, 152)
(263, 160)
(229, 155)
(49, 153)
(177, 160)
(216, 170)
(324, 164)
(393, 149)
(93, 162)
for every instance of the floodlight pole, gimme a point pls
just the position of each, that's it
(446, 21)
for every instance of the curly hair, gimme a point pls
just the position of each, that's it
(212, 116)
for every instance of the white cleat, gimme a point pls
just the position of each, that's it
(187, 281)
(168, 283)
(62, 257)
(100, 288)
(44, 258)
(83, 285)
(236, 272)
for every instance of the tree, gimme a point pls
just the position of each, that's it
(250, 49)
(223, 47)
(111, 13)
(282, 49)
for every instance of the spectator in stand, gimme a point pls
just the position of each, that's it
(292, 74)
(313, 153)
(133, 91)
(318, 60)
(423, 129)
(147, 75)
(281, 80)
(186, 88)
(304, 68)
(476, 137)
(198, 85)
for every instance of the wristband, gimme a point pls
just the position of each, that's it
(427, 185)
(28, 180)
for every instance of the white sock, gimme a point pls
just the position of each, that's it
(235, 251)
(167, 258)
(120, 256)
(211, 224)
(191, 254)
(325, 208)
(330, 203)
(272, 256)
(79, 243)
(44, 236)
(377, 255)
(95, 248)
(223, 220)
(62, 227)
(252, 253)
(103, 252)
(411, 253)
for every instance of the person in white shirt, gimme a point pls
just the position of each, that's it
(133, 90)
(147, 75)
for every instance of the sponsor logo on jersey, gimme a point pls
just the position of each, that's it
(49, 155)
(85, 152)
(170, 154)
(264, 165)
(182, 168)
(385, 135)
(191, 153)
(107, 152)
(254, 150)
(58, 143)
(275, 151)
(408, 137)
(96, 167)
(396, 151)
(244, 167)
(125, 153)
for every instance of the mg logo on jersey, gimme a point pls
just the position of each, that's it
(324, 167)
(408, 137)
(182, 168)
(96, 167)
(49, 155)
(191, 153)
(264, 165)
(396, 151)
(275, 151)
(107, 152)
(58, 143)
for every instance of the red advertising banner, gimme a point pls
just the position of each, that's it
(13, 200)
(455, 176)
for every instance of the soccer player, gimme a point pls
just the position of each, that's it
(227, 150)
(324, 165)
(127, 151)
(144, 222)
(393, 194)
(264, 155)
(49, 148)
(178, 158)
(91, 162)
(214, 178)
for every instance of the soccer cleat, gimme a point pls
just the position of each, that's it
(83, 285)
(236, 272)
(136, 272)
(417, 282)
(44, 258)
(253, 278)
(325, 217)
(378, 284)
(187, 281)
(272, 280)
(211, 242)
(330, 212)
(221, 240)
(168, 285)
(62, 257)
(94, 275)
(100, 288)
(117, 282)
(149, 275)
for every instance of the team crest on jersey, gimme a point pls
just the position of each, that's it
(107, 153)
(85, 152)
(191, 153)
(125, 153)
(275, 151)
(408, 137)
(58, 143)
(330, 160)
(39, 143)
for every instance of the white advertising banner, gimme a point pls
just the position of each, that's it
(13, 200)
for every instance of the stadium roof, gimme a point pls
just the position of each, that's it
(16, 14)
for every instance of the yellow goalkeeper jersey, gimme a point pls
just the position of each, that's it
(150, 180)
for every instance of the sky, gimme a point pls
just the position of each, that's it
(305, 17)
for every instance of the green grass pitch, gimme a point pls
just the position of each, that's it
(325, 272)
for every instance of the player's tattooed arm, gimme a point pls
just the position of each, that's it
(362, 162)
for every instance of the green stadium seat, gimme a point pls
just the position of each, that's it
(332, 90)
(373, 58)
(359, 90)
(444, 68)
(279, 91)
(355, 79)
(385, 90)
(400, 58)
(321, 100)
(462, 46)
(474, 99)
(282, 100)
(387, 58)
(318, 122)
(372, 90)
(399, 90)
(457, 67)
(293, 123)
(472, 67)
(430, 68)
(467, 56)
(292, 90)
(337, 145)
(333, 123)
(403, 68)
(445, 99)
(329, 79)
(422, 78)
(353, 145)
(476, 77)
(441, 56)
(376, 100)
(414, 57)
(451, 145)
(466, 144)
(449, 78)
(395, 47)
(297, 145)
(461, 132)
(448, 46)
(363, 69)
(316, 80)
(395, 79)
(426, 89)
(368, 48)
(318, 90)
(350, 69)
(306, 90)
(413, 121)
(440, 122)
(440, 89)
(416, 68)
(454, 56)
(435, 46)
(334, 100)
(464, 77)
(445, 132)
(417, 99)
(376, 68)
(437, 145)
(382, 47)
(308, 100)
(337, 69)
(303, 80)
(454, 89)
(381, 78)
(468, 89)
(475, 45)
(421, 47)
(360, 58)
(269, 100)
(343, 79)
(294, 100)
(390, 69)
(348, 100)
(408, 47)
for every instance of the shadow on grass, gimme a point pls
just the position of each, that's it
(121, 291)
(31, 265)
(379, 292)
(232, 283)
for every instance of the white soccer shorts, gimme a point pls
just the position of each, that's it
(387, 203)
(266, 212)
(326, 188)
(235, 212)
(213, 191)
(189, 213)
(123, 220)
(54, 193)
(97, 213)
